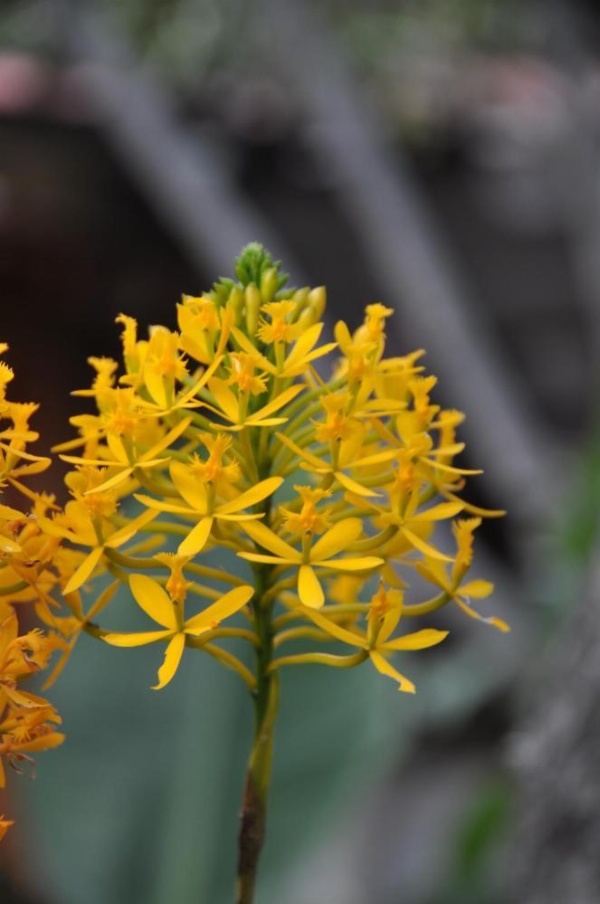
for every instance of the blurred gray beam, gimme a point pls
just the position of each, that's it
(181, 176)
(554, 850)
(576, 175)
(410, 260)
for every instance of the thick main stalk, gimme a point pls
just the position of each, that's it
(266, 699)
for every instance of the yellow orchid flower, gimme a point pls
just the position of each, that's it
(162, 366)
(200, 503)
(234, 408)
(26, 729)
(404, 512)
(15, 462)
(164, 403)
(348, 458)
(204, 328)
(73, 626)
(307, 518)
(81, 529)
(437, 574)
(128, 461)
(336, 539)
(222, 474)
(24, 717)
(282, 325)
(168, 613)
(384, 615)
(302, 353)
(393, 375)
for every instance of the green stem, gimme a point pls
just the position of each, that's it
(330, 659)
(13, 588)
(425, 608)
(301, 633)
(370, 543)
(266, 701)
(232, 662)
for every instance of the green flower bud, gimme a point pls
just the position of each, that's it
(253, 303)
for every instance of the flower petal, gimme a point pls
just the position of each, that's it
(440, 512)
(363, 564)
(301, 453)
(419, 640)
(85, 570)
(42, 742)
(450, 469)
(230, 603)
(246, 345)
(338, 537)
(479, 589)
(173, 655)
(151, 597)
(227, 403)
(434, 571)
(190, 488)
(305, 342)
(264, 537)
(160, 506)
(251, 497)
(424, 547)
(389, 622)
(491, 620)
(6, 513)
(309, 589)
(355, 640)
(383, 666)
(353, 486)
(123, 475)
(115, 444)
(167, 439)
(196, 539)
(125, 533)
(266, 560)
(135, 639)
(155, 385)
(279, 401)
(476, 509)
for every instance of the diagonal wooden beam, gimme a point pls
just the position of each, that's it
(180, 174)
(408, 255)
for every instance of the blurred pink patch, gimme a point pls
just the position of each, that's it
(23, 82)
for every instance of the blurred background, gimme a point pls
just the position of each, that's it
(439, 156)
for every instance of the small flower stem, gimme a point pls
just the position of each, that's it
(428, 606)
(13, 588)
(228, 659)
(301, 633)
(376, 542)
(338, 662)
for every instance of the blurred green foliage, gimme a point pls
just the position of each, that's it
(582, 522)
(473, 874)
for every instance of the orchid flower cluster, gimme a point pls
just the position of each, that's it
(323, 469)
(30, 569)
